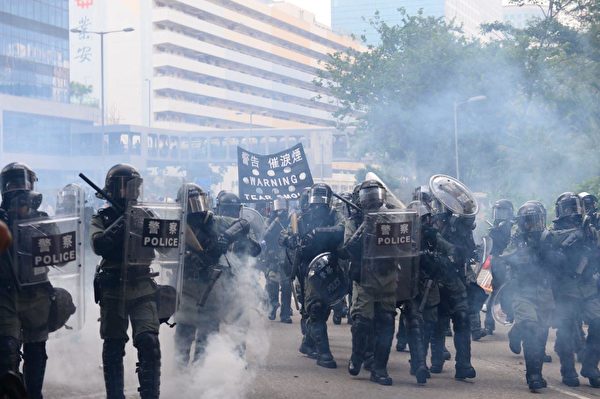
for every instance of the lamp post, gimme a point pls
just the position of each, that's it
(456, 105)
(149, 101)
(102, 34)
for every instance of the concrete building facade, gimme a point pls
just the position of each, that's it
(224, 64)
(348, 16)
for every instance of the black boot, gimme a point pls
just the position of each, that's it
(476, 331)
(533, 349)
(567, 369)
(361, 329)
(307, 346)
(462, 343)
(384, 335)
(34, 368)
(148, 366)
(318, 332)
(418, 366)
(113, 351)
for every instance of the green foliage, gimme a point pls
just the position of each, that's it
(591, 186)
(535, 133)
(80, 93)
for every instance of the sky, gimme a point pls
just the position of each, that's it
(321, 9)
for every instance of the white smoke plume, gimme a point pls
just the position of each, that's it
(227, 369)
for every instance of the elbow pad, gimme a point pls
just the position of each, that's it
(237, 230)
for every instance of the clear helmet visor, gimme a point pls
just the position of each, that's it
(198, 203)
(531, 223)
(569, 207)
(589, 204)
(279, 205)
(125, 188)
(371, 196)
(319, 196)
(16, 180)
(500, 214)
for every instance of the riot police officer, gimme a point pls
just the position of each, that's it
(532, 299)
(575, 290)
(127, 301)
(500, 234)
(454, 210)
(207, 289)
(590, 208)
(277, 265)
(374, 296)
(320, 229)
(24, 311)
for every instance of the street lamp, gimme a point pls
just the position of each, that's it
(456, 105)
(102, 34)
(149, 101)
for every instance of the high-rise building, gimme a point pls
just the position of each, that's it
(519, 16)
(205, 64)
(34, 49)
(351, 16)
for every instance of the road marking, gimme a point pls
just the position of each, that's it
(569, 393)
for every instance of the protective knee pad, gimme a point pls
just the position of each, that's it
(318, 311)
(113, 350)
(148, 346)
(461, 322)
(10, 356)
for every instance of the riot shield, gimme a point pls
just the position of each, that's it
(497, 312)
(328, 278)
(154, 246)
(391, 243)
(454, 195)
(49, 250)
(257, 222)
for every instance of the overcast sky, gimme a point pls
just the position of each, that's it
(321, 9)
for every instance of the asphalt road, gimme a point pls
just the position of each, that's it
(74, 371)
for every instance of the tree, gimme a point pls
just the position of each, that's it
(531, 138)
(80, 92)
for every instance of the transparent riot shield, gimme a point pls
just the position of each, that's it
(154, 245)
(257, 222)
(391, 242)
(49, 250)
(328, 278)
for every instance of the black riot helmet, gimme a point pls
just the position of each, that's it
(123, 183)
(531, 217)
(198, 200)
(568, 205)
(371, 195)
(228, 204)
(589, 202)
(503, 210)
(17, 176)
(320, 194)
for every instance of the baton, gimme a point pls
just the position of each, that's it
(350, 203)
(102, 193)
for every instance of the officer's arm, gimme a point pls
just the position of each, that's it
(106, 241)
